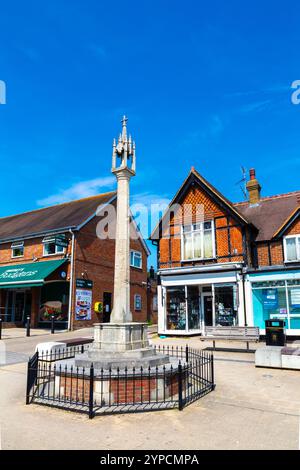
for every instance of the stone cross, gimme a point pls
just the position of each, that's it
(123, 166)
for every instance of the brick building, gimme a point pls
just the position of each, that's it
(224, 263)
(53, 263)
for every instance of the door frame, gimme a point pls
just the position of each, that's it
(203, 295)
(13, 307)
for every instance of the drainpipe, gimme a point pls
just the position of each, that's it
(71, 282)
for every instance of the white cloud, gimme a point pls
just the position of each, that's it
(79, 190)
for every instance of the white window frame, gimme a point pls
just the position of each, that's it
(17, 245)
(202, 242)
(297, 237)
(141, 303)
(47, 241)
(133, 253)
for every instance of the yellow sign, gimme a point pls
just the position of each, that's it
(98, 307)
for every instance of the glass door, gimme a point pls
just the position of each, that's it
(207, 307)
(193, 305)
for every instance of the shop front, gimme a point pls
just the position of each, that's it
(276, 295)
(189, 302)
(38, 290)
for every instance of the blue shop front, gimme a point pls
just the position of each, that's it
(275, 294)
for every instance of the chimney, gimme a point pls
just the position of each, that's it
(253, 188)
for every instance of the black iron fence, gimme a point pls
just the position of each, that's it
(58, 383)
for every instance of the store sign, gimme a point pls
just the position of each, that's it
(270, 298)
(83, 308)
(84, 283)
(60, 240)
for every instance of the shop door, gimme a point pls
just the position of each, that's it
(207, 309)
(107, 297)
(19, 307)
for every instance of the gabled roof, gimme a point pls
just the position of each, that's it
(271, 215)
(192, 177)
(69, 215)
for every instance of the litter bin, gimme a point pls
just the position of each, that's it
(275, 332)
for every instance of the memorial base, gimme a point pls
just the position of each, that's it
(120, 345)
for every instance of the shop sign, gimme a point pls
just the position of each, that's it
(270, 298)
(84, 283)
(83, 308)
(60, 240)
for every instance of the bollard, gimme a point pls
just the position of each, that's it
(0, 328)
(52, 324)
(28, 326)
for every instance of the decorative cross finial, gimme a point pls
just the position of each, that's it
(124, 150)
(124, 127)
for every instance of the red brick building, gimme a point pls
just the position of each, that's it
(53, 263)
(228, 263)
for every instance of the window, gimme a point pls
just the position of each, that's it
(136, 259)
(50, 248)
(17, 249)
(137, 302)
(292, 248)
(198, 241)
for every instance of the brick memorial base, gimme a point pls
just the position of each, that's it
(121, 389)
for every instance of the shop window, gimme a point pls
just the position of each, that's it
(54, 301)
(17, 249)
(292, 248)
(193, 305)
(50, 247)
(137, 302)
(176, 308)
(294, 306)
(154, 303)
(198, 241)
(136, 259)
(226, 305)
(269, 303)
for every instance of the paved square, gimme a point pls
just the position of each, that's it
(250, 409)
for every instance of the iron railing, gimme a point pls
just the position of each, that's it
(58, 383)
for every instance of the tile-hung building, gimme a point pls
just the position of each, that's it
(227, 263)
(53, 263)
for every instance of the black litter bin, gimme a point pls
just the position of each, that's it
(275, 332)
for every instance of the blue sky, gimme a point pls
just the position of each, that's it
(203, 83)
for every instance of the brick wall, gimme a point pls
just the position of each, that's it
(226, 227)
(33, 249)
(95, 258)
(274, 255)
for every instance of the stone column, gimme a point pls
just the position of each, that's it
(121, 307)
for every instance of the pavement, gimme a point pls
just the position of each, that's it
(251, 408)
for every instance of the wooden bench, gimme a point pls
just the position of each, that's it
(231, 333)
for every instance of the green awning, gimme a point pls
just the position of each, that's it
(27, 274)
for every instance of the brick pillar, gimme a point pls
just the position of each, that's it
(35, 305)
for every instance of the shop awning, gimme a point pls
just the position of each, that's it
(27, 274)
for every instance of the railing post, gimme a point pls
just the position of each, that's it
(28, 381)
(212, 371)
(52, 324)
(186, 354)
(0, 328)
(180, 401)
(91, 398)
(28, 326)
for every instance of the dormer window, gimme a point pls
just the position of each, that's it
(292, 248)
(198, 241)
(17, 249)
